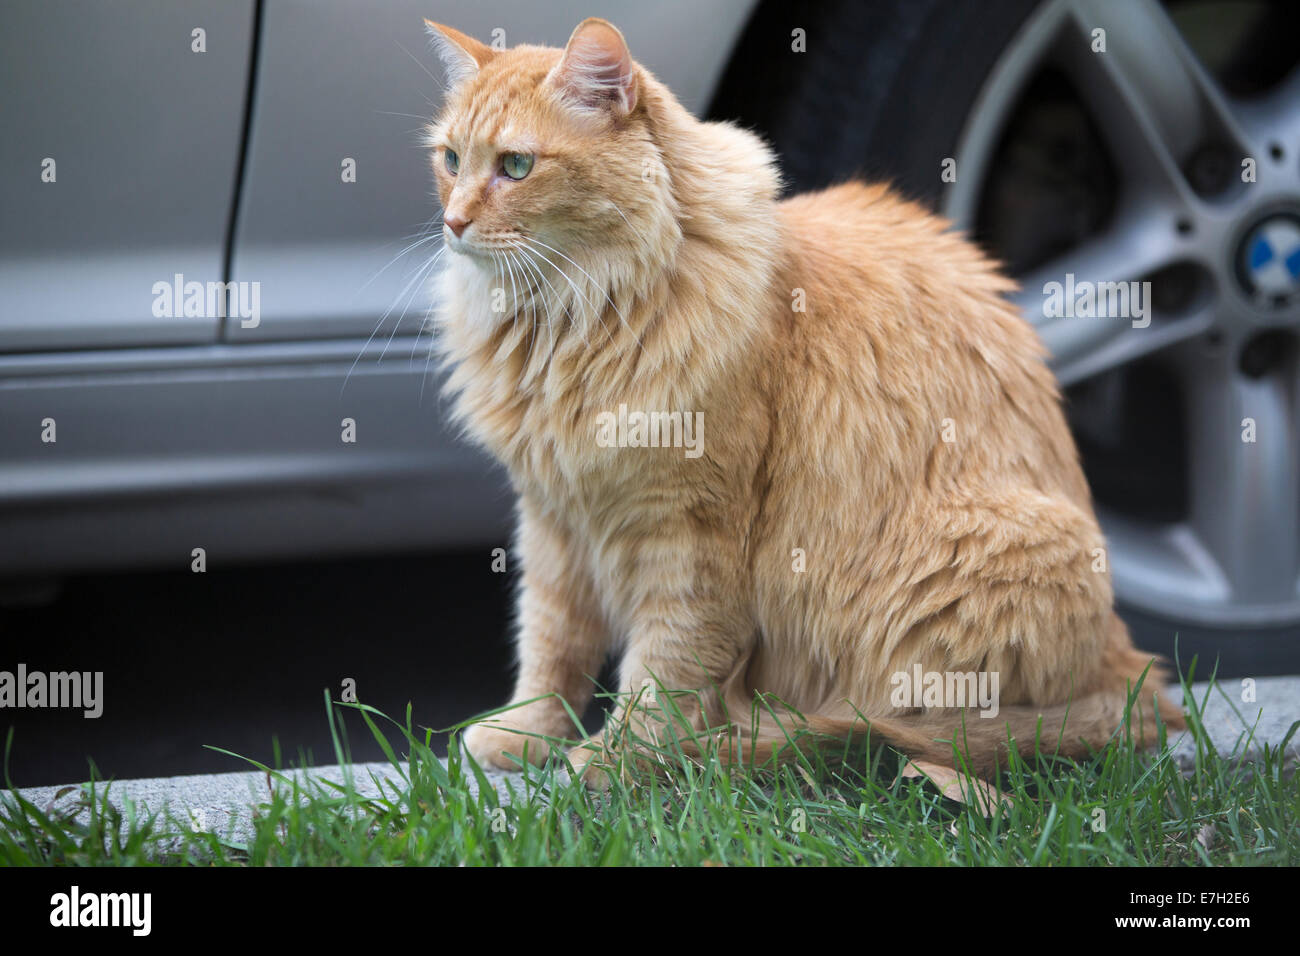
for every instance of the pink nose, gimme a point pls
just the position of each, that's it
(456, 224)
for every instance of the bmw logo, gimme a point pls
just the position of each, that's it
(1268, 261)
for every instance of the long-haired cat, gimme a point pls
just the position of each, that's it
(800, 447)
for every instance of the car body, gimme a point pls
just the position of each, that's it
(176, 165)
(217, 225)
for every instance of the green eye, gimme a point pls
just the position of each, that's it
(452, 161)
(517, 165)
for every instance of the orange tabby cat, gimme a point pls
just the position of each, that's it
(800, 447)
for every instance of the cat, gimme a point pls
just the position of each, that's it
(884, 483)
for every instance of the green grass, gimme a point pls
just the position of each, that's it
(855, 809)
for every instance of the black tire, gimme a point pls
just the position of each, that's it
(881, 92)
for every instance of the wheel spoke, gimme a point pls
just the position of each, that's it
(1140, 243)
(1244, 467)
(1180, 218)
(1155, 102)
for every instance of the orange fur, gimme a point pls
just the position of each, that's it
(646, 261)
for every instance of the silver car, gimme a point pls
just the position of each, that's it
(215, 243)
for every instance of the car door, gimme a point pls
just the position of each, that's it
(123, 130)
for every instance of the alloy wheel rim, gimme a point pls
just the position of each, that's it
(1235, 558)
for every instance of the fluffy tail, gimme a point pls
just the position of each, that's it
(977, 744)
(1131, 684)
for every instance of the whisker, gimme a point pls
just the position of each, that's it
(428, 357)
(592, 280)
(576, 290)
(514, 293)
(430, 237)
(442, 86)
(564, 275)
(379, 324)
(589, 276)
(527, 273)
(510, 264)
(550, 341)
(423, 119)
(620, 212)
(528, 357)
(425, 326)
(414, 286)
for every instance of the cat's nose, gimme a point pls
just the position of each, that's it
(456, 224)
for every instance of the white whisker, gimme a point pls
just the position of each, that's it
(592, 280)
(532, 304)
(414, 285)
(442, 86)
(620, 212)
(578, 292)
(528, 253)
(573, 285)
(378, 325)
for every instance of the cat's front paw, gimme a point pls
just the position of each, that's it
(604, 757)
(503, 747)
(593, 763)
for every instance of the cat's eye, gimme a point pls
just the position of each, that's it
(452, 161)
(517, 165)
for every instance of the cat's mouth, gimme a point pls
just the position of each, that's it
(464, 245)
(483, 249)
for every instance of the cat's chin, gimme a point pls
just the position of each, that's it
(469, 286)
(463, 249)
(474, 267)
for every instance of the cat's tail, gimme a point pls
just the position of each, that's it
(1130, 696)
(975, 743)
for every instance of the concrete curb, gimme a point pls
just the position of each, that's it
(223, 803)
(1271, 707)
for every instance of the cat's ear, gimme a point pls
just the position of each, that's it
(596, 71)
(461, 55)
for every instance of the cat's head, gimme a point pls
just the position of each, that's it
(547, 152)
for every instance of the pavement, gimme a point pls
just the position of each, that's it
(223, 803)
(1240, 717)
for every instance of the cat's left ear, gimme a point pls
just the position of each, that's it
(461, 55)
(596, 71)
